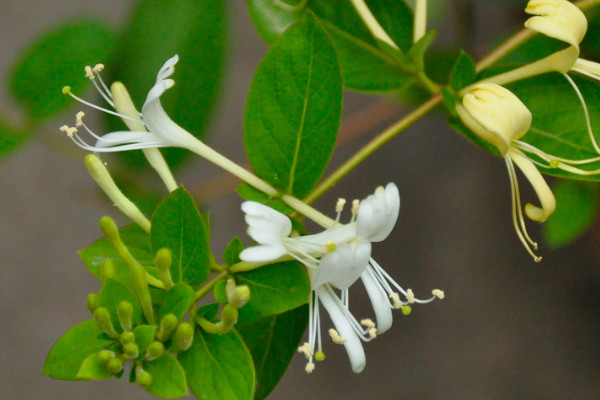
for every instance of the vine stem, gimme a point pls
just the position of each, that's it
(494, 56)
(203, 291)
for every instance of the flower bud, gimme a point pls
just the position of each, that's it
(92, 302)
(237, 295)
(494, 114)
(166, 327)
(131, 351)
(126, 337)
(107, 270)
(184, 336)
(104, 356)
(142, 377)
(558, 19)
(154, 351)
(163, 261)
(102, 317)
(125, 312)
(114, 365)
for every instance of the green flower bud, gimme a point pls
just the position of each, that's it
(125, 312)
(237, 295)
(163, 261)
(127, 337)
(184, 336)
(154, 351)
(166, 327)
(229, 315)
(131, 351)
(104, 356)
(142, 377)
(107, 270)
(102, 317)
(92, 302)
(114, 365)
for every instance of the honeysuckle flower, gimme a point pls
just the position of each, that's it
(335, 259)
(559, 19)
(497, 116)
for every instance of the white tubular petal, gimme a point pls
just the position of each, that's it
(379, 301)
(545, 195)
(168, 68)
(262, 253)
(377, 214)
(353, 344)
(266, 225)
(120, 138)
(344, 266)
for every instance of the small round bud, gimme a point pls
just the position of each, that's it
(142, 377)
(154, 351)
(131, 351)
(104, 356)
(166, 327)
(107, 270)
(92, 302)
(126, 337)
(184, 336)
(163, 262)
(114, 365)
(406, 310)
(229, 315)
(319, 356)
(107, 225)
(125, 312)
(240, 296)
(102, 317)
(66, 90)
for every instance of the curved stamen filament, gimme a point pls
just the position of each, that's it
(585, 111)
(67, 90)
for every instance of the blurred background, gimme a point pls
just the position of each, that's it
(508, 328)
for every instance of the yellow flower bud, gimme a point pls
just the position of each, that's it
(558, 19)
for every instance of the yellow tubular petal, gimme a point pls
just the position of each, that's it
(535, 178)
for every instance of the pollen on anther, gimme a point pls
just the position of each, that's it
(335, 336)
(410, 296)
(438, 293)
(79, 118)
(367, 323)
(88, 72)
(537, 259)
(98, 68)
(395, 297)
(339, 207)
(373, 333)
(69, 130)
(310, 367)
(306, 349)
(355, 204)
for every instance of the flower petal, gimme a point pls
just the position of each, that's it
(379, 301)
(377, 214)
(342, 267)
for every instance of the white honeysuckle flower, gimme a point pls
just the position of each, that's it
(559, 19)
(498, 117)
(335, 259)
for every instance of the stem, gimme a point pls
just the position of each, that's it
(203, 291)
(376, 30)
(373, 145)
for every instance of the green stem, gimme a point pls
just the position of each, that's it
(203, 291)
(373, 145)
(428, 83)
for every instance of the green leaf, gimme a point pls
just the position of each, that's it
(10, 138)
(220, 292)
(57, 59)
(219, 367)
(293, 110)
(274, 289)
(249, 193)
(91, 369)
(463, 73)
(365, 66)
(178, 225)
(168, 377)
(114, 292)
(231, 255)
(273, 341)
(138, 243)
(144, 336)
(73, 348)
(559, 127)
(157, 30)
(576, 211)
(178, 300)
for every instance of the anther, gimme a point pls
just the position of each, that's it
(98, 68)
(306, 349)
(410, 296)
(339, 207)
(367, 323)
(79, 118)
(438, 293)
(395, 297)
(355, 204)
(88, 72)
(310, 367)
(69, 130)
(335, 336)
(537, 259)
(373, 333)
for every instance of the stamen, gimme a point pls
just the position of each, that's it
(355, 204)
(310, 367)
(395, 297)
(306, 349)
(585, 111)
(339, 207)
(78, 118)
(88, 73)
(410, 296)
(438, 293)
(67, 90)
(70, 131)
(98, 68)
(367, 323)
(335, 336)
(373, 333)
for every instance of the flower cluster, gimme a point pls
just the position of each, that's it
(335, 259)
(499, 117)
